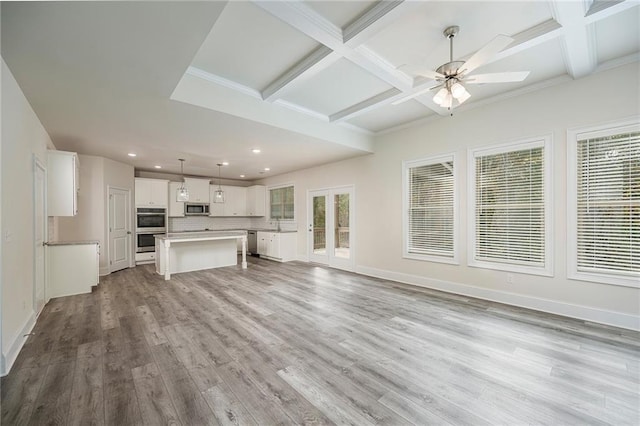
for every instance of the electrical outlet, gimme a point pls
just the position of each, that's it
(510, 278)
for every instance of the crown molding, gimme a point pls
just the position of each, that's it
(213, 78)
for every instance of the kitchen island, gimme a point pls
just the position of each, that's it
(194, 251)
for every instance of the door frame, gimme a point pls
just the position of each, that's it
(37, 164)
(330, 192)
(129, 232)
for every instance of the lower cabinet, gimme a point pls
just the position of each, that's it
(72, 268)
(280, 246)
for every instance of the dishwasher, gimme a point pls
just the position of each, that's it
(252, 242)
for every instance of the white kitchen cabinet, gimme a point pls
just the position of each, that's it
(235, 201)
(279, 246)
(256, 200)
(151, 192)
(63, 183)
(176, 208)
(72, 268)
(198, 190)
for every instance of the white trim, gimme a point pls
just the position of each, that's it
(573, 134)
(213, 78)
(406, 165)
(586, 313)
(17, 343)
(546, 142)
(37, 164)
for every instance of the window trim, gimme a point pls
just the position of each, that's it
(279, 186)
(573, 135)
(544, 141)
(406, 165)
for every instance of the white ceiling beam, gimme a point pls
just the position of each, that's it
(578, 43)
(367, 105)
(531, 37)
(374, 19)
(601, 9)
(309, 66)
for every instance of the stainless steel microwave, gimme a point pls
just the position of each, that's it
(196, 209)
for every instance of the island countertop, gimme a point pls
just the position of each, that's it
(200, 236)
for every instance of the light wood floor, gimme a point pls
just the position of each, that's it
(299, 344)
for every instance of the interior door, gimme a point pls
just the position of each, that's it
(40, 236)
(331, 227)
(119, 229)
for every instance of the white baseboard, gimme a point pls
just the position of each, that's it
(302, 258)
(9, 357)
(104, 271)
(586, 313)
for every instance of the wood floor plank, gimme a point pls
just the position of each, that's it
(52, 404)
(226, 407)
(19, 392)
(156, 407)
(87, 399)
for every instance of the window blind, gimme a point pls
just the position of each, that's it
(608, 204)
(431, 198)
(509, 207)
(281, 203)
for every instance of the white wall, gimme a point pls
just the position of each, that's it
(91, 222)
(378, 182)
(23, 136)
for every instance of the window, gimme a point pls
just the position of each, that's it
(509, 192)
(281, 203)
(604, 205)
(430, 209)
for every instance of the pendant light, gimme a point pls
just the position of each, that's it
(218, 195)
(182, 193)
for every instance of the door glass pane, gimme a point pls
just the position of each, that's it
(341, 226)
(319, 221)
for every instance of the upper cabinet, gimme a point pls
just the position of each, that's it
(176, 208)
(256, 199)
(198, 190)
(151, 192)
(235, 201)
(62, 183)
(239, 201)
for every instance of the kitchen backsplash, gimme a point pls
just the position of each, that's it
(198, 223)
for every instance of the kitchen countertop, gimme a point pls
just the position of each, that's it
(205, 235)
(72, 243)
(234, 229)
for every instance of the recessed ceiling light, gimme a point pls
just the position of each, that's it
(158, 167)
(241, 175)
(225, 163)
(131, 154)
(266, 169)
(255, 151)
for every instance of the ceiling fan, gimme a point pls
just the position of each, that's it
(454, 75)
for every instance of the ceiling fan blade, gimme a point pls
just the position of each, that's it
(487, 52)
(496, 77)
(421, 70)
(414, 95)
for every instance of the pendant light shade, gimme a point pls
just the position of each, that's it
(182, 193)
(218, 195)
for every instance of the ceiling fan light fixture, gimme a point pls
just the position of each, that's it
(448, 101)
(464, 97)
(458, 90)
(440, 96)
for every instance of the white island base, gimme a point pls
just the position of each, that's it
(177, 253)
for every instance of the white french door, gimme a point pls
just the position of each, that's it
(331, 226)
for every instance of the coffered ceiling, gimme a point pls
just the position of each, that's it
(308, 82)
